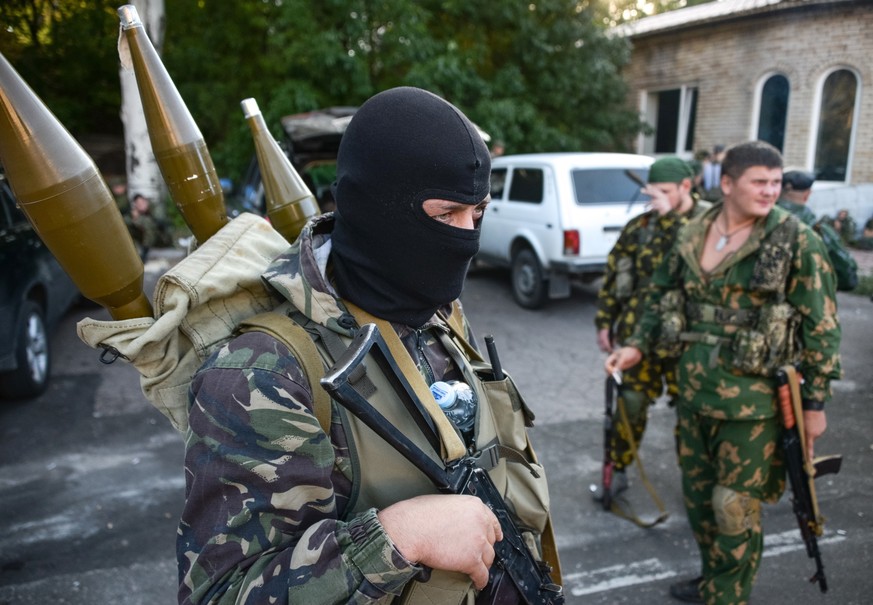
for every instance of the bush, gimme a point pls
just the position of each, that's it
(865, 286)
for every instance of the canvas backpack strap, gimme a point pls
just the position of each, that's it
(299, 342)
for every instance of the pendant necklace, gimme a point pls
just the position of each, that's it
(724, 237)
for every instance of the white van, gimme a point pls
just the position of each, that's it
(554, 216)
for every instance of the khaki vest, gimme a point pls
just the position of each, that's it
(382, 476)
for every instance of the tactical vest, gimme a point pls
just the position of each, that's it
(381, 476)
(765, 337)
(627, 279)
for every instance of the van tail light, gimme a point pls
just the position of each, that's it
(571, 243)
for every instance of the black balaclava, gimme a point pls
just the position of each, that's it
(402, 147)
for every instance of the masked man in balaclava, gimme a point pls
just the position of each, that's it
(280, 509)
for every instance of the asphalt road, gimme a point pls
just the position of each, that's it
(91, 478)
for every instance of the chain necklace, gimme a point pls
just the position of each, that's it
(724, 237)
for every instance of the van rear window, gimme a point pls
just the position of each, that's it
(606, 185)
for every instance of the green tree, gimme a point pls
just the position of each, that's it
(65, 51)
(541, 76)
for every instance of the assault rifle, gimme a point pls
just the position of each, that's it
(608, 501)
(516, 576)
(801, 470)
(608, 468)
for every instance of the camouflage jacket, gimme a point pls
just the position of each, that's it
(707, 378)
(640, 249)
(266, 493)
(801, 211)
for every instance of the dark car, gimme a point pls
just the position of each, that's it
(311, 142)
(34, 293)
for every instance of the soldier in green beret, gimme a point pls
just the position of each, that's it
(742, 293)
(639, 250)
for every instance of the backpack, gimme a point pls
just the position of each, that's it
(842, 260)
(201, 304)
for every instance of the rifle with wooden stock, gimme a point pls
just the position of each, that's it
(802, 471)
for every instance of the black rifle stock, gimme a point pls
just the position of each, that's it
(801, 472)
(516, 576)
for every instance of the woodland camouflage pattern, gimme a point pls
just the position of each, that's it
(640, 249)
(801, 211)
(266, 490)
(717, 390)
(728, 424)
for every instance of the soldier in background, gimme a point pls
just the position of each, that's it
(796, 189)
(742, 293)
(143, 227)
(844, 225)
(640, 248)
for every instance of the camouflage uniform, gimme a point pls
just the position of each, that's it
(844, 264)
(144, 230)
(269, 513)
(728, 425)
(640, 248)
(801, 211)
(847, 228)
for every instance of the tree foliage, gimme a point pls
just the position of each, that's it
(66, 52)
(540, 75)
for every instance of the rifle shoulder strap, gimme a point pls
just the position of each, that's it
(455, 322)
(615, 506)
(453, 447)
(288, 332)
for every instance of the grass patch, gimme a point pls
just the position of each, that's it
(865, 286)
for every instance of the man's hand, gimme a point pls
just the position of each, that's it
(604, 340)
(815, 423)
(622, 359)
(449, 532)
(659, 201)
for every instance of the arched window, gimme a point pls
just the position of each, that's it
(836, 123)
(774, 110)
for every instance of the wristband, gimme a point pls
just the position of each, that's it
(809, 405)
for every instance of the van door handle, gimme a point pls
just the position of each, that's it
(610, 228)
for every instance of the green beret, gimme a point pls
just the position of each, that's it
(670, 170)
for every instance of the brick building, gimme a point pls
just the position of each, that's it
(796, 73)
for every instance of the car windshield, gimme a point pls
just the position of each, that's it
(605, 185)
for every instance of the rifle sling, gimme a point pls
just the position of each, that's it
(628, 514)
(452, 446)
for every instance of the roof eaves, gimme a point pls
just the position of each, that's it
(703, 14)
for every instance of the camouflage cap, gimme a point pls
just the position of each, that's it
(670, 170)
(799, 180)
